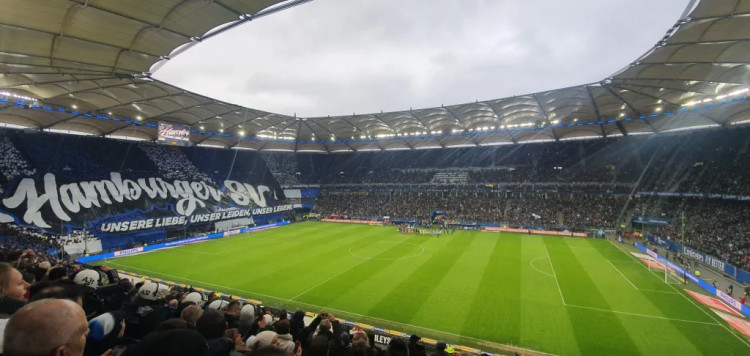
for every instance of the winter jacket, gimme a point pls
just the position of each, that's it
(220, 346)
(141, 320)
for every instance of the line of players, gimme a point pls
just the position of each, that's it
(411, 229)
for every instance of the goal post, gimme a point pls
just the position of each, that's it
(672, 273)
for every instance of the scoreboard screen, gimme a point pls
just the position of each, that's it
(174, 134)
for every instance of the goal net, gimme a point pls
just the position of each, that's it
(669, 271)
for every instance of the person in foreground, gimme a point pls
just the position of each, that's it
(55, 327)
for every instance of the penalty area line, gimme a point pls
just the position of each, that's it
(642, 315)
(622, 274)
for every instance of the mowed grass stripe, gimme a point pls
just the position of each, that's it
(545, 323)
(415, 286)
(384, 276)
(251, 253)
(244, 268)
(597, 333)
(460, 283)
(259, 262)
(319, 262)
(329, 291)
(497, 304)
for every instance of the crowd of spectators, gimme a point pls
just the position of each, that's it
(716, 227)
(553, 211)
(283, 167)
(173, 164)
(14, 236)
(697, 162)
(384, 176)
(12, 163)
(76, 236)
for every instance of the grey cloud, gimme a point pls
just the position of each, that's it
(338, 57)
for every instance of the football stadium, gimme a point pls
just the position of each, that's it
(141, 218)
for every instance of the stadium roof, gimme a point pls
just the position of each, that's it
(83, 66)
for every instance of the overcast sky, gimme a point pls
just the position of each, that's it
(338, 57)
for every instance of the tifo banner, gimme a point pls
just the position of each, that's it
(191, 240)
(119, 204)
(174, 134)
(711, 261)
(703, 284)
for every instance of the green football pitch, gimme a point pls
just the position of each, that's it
(565, 296)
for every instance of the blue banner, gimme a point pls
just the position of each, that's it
(668, 244)
(743, 276)
(645, 220)
(712, 261)
(216, 235)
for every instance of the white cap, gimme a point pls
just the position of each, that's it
(150, 291)
(248, 309)
(195, 297)
(88, 278)
(269, 319)
(218, 304)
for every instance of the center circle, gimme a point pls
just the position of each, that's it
(358, 251)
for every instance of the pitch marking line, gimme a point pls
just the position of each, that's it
(634, 286)
(688, 299)
(622, 274)
(658, 291)
(551, 265)
(642, 315)
(531, 263)
(332, 309)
